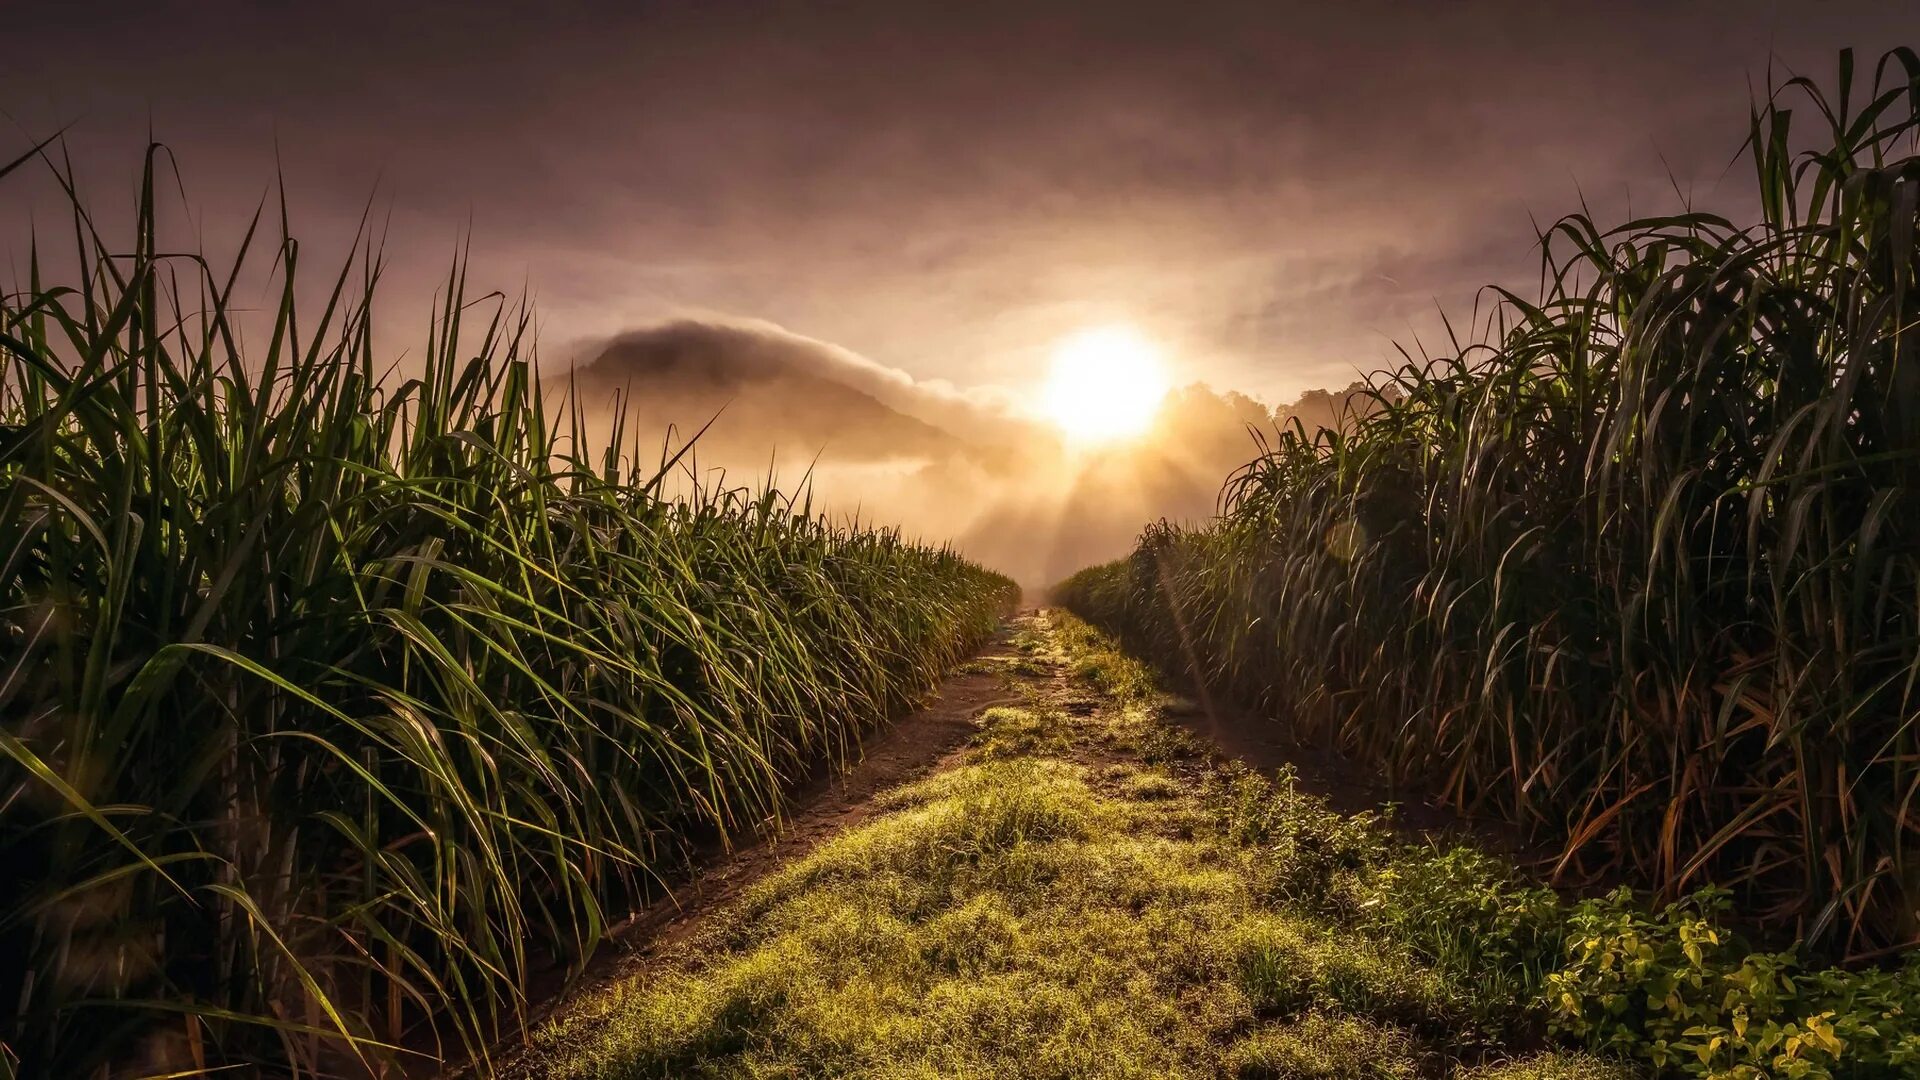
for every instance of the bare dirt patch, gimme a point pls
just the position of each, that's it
(820, 807)
(1264, 744)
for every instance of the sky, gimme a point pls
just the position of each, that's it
(1277, 192)
(921, 201)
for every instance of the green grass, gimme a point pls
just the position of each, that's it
(1639, 571)
(1089, 894)
(1324, 1046)
(333, 703)
(1057, 906)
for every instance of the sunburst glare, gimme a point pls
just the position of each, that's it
(1106, 383)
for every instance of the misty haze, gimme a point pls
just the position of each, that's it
(1003, 485)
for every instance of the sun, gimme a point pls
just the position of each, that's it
(1106, 384)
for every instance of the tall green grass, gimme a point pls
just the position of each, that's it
(1642, 569)
(332, 704)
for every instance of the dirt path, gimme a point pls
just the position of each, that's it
(1038, 875)
(922, 742)
(932, 739)
(1264, 744)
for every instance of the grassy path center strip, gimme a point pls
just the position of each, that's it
(1084, 894)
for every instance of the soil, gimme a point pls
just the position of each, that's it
(1265, 744)
(917, 745)
(929, 740)
(821, 807)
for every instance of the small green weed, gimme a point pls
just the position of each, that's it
(1319, 1046)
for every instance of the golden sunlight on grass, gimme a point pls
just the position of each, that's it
(1106, 384)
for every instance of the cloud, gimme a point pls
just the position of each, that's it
(767, 385)
(946, 466)
(935, 194)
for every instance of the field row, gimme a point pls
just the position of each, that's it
(336, 702)
(1641, 572)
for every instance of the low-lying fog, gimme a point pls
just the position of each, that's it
(946, 465)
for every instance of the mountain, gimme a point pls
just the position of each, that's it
(763, 394)
(942, 463)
